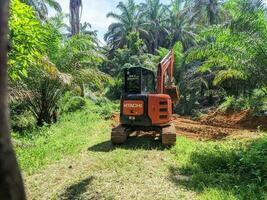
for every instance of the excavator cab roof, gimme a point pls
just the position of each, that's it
(139, 80)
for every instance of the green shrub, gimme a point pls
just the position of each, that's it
(107, 107)
(102, 101)
(231, 103)
(114, 90)
(74, 104)
(257, 101)
(70, 102)
(91, 95)
(108, 110)
(65, 98)
(20, 118)
(254, 102)
(93, 103)
(23, 122)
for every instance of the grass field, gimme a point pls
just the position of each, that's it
(74, 159)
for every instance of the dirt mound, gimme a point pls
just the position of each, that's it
(214, 126)
(242, 119)
(197, 130)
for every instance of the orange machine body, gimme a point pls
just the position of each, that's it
(144, 102)
(159, 109)
(146, 110)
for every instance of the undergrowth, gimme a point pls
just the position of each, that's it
(217, 170)
(256, 103)
(222, 170)
(72, 134)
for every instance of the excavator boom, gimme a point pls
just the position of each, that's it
(166, 65)
(165, 80)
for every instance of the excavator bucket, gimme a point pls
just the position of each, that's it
(173, 92)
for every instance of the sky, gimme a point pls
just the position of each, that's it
(94, 12)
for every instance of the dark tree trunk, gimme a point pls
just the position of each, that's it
(11, 184)
(213, 12)
(75, 16)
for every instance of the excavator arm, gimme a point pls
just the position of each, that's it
(165, 80)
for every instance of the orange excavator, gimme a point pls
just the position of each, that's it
(147, 103)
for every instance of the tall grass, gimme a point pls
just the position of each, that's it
(73, 133)
(223, 170)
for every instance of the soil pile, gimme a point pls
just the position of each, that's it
(214, 126)
(197, 130)
(242, 119)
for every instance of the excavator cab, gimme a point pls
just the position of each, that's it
(139, 80)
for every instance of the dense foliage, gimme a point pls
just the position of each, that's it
(235, 54)
(44, 63)
(220, 54)
(27, 37)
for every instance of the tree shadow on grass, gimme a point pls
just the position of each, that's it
(237, 173)
(76, 190)
(145, 143)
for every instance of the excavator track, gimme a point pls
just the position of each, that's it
(118, 135)
(168, 135)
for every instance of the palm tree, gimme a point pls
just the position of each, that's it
(155, 15)
(58, 22)
(75, 16)
(129, 20)
(209, 10)
(86, 29)
(41, 6)
(180, 24)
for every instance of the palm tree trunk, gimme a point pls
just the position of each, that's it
(75, 11)
(213, 12)
(11, 185)
(154, 43)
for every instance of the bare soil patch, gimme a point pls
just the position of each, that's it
(197, 130)
(215, 125)
(242, 119)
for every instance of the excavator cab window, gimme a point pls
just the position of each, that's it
(148, 81)
(139, 80)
